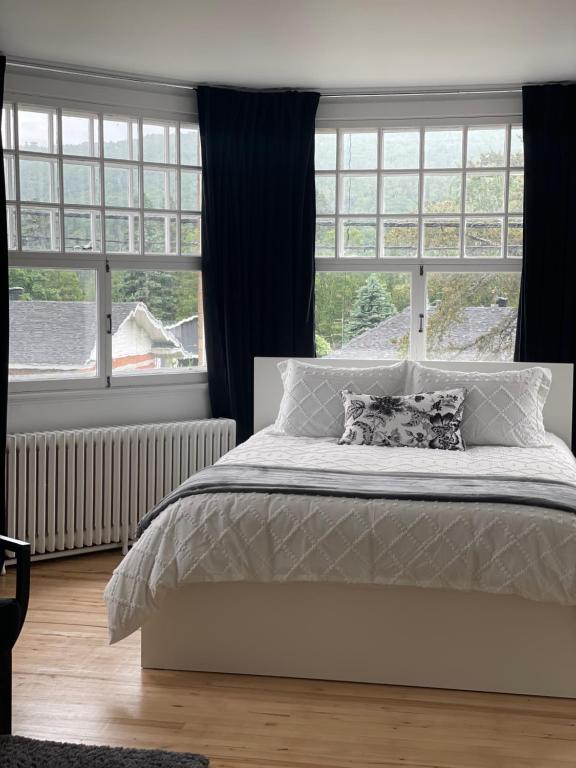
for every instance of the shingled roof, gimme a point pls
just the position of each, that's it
(62, 334)
(458, 343)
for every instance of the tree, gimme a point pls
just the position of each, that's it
(372, 305)
(158, 290)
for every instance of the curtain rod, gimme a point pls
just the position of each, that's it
(328, 94)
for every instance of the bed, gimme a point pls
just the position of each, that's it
(464, 594)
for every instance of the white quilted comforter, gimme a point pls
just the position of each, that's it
(491, 547)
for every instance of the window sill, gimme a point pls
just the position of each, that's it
(163, 384)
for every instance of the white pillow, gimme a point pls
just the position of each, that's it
(501, 408)
(312, 406)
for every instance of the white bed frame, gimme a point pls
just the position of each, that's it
(396, 635)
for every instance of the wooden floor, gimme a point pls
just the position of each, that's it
(70, 685)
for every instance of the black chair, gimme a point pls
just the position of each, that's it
(12, 615)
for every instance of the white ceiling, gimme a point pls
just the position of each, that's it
(302, 43)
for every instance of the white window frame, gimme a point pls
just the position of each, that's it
(418, 267)
(147, 105)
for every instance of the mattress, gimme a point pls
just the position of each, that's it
(500, 548)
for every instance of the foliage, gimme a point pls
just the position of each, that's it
(323, 348)
(170, 296)
(452, 292)
(335, 296)
(52, 284)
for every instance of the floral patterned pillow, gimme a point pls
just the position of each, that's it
(425, 420)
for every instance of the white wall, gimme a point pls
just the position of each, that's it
(135, 405)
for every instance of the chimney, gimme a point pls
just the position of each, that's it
(15, 293)
(502, 301)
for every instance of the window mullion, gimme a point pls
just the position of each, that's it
(463, 200)
(104, 274)
(17, 176)
(418, 314)
(60, 164)
(505, 217)
(105, 312)
(337, 234)
(141, 187)
(379, 247)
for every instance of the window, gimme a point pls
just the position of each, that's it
(104, 246)
(157, 321)
(418, 241)
(53, 323)
(363, 314)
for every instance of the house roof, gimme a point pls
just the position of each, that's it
(382, 340)
(62, 334)
(186, 331)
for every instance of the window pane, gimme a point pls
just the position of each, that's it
(11, 222)
(159, 188)
(159, 142)
(442, 193)
(400, 238)
(400, 193)
(486, 147)
(358, 194)
(516, 193)
(325, 194)
(401, 149)
(325, 151)
(121, 138)
(40, 229)
(160, 233)
(190, 235)
(515, 236)
(443, 148)
(7, 126)
(483, 238)
(121, 185)
(81, 183)
(472, 316)
(358, 238)
(9, 177)
(190, 145)
(364, 315)
(38, 180)
(53, 323)
(82, 231)
(326, 238)
(359, 150)
(122, 232)
(441, 238)
(157, 321)
(516, 146)
(37, 129)
(484, 192)
(190, 190)
(80, 134)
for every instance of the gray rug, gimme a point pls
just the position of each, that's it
(18, 752)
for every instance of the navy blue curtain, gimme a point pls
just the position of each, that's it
(258, 231)
(3, 316)
(547, 311)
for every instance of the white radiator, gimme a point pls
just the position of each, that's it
(74, 489)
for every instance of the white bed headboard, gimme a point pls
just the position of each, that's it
(557, 411)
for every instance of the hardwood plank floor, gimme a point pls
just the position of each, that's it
(70, 685)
